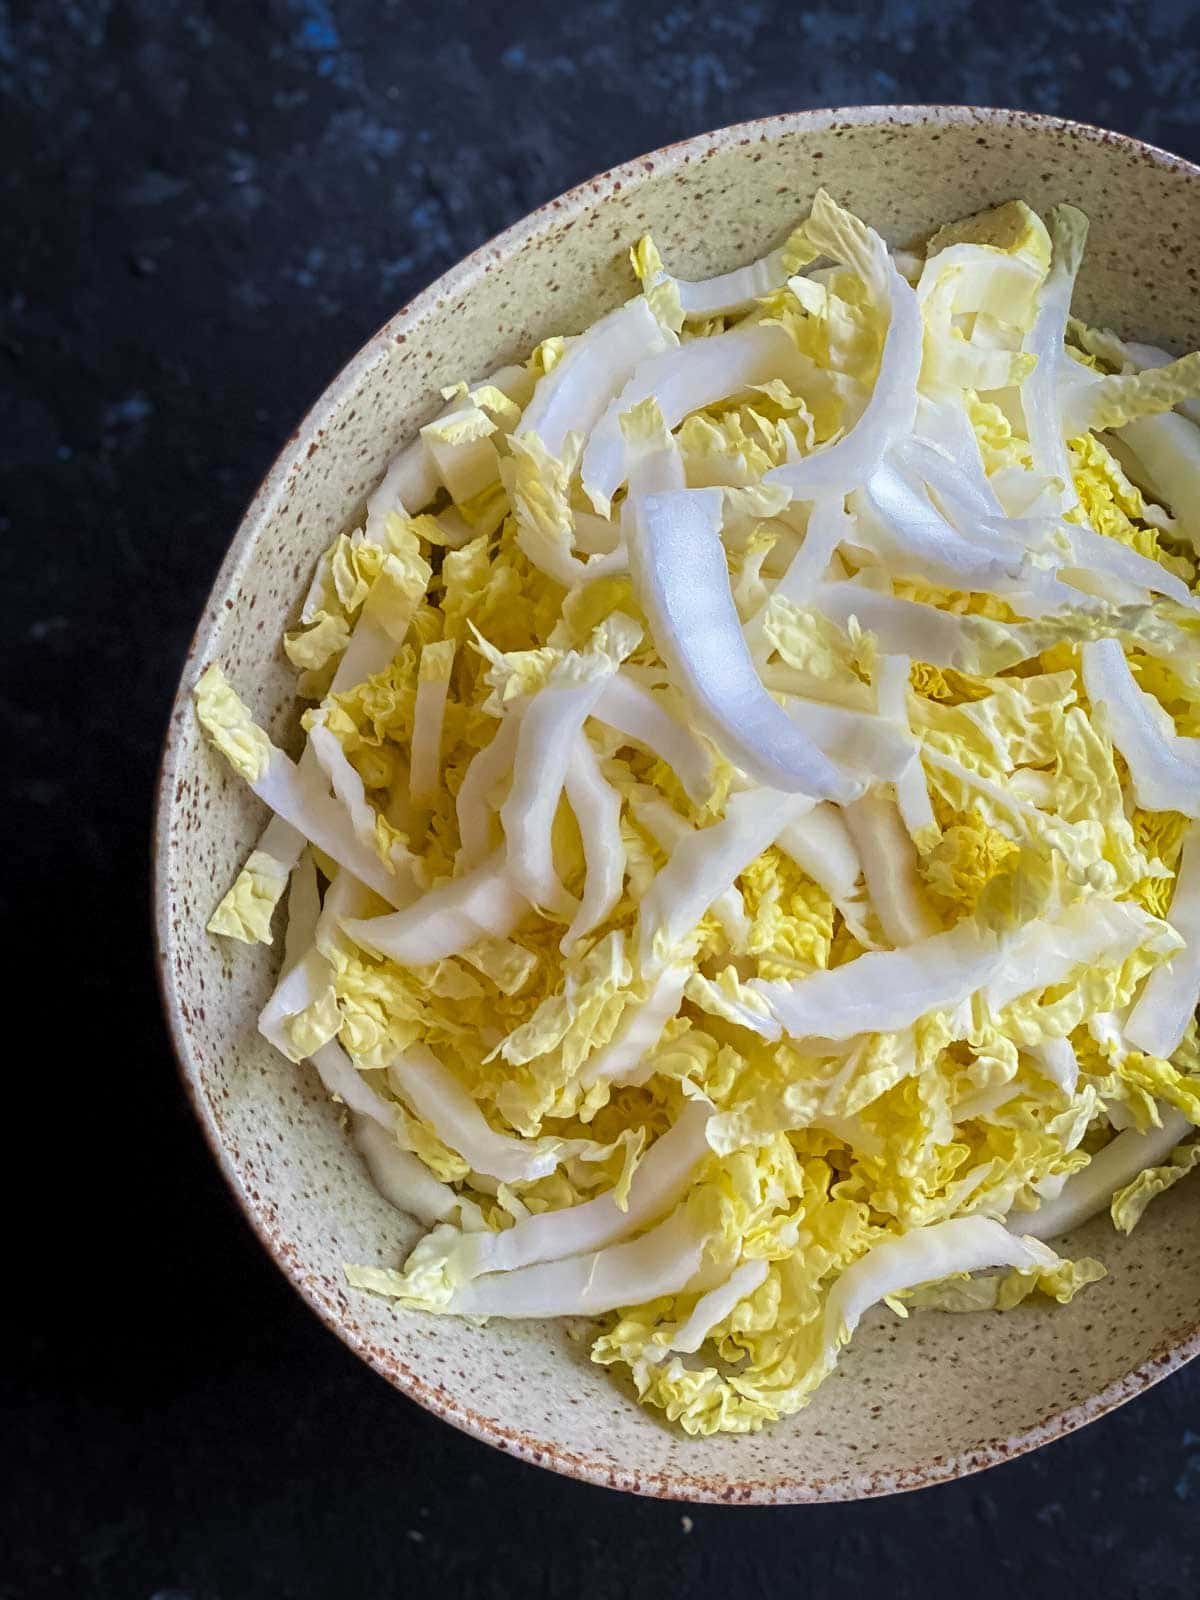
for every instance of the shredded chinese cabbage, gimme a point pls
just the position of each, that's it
(743, 867)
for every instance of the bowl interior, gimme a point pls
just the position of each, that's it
(911, 1402)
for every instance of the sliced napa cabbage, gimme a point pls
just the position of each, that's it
(549, 731)
(301, 1015)
(662, 1261)
(703, 865)
(487, 770)
(924, 1255)
(667, 828)
(292, 792)
(989, 358)
(808, 815)
(1046, 952)
(621, 1061)
(1164, 767)
(683, 380)
(683, 585)
(1109, 1170)
(886, 991)
(868, 746)
(1057, 1059)
(890, 866)
(828, 525)
(974, 644)
(460, 445)
(1121, 398)
(370, 828)
(429, 715)
(982, 278)
(412, 478)
(1168, 1002)
(653, 463)
(538, 486)
(246, 909)
(342, 1081)
(715, 1306)
(594, 367)
(628, 708)
(729, 291)
(436, 1095)
(820, 844)
(484, 902)
(889, 412)
(1091, 555)
(946, 452)
(899, 522)
(912, 792)
(1129, 1203)
(786, 1373)
(1161, 452)
(1165, 455)
(406, 1182)
(410, 482)
(597, 808)
(1040, 390)
(658, 1184)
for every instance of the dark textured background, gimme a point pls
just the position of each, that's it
(204, 209)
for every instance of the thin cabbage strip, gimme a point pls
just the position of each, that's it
(684, 380)
(663, 1261)
(885, 991)
(820, 844)
(597, 808)
(1168, 1002)
(912, 791)
(862, 743)
(659, 1182)
(483, 902)
(889, 863)
(437, 1096)
(828, 527)
(622, 1060)
(629, 709)
(487, 770)
(406, 1182)
(1046, 952)
(292, 792)
(924, 1255)
(1110, 1169)
(550, 728)
(703, 864)
(682, 583)
(1164, 768)
(728, 292)
(429, 714)
(889, 413)
(571, 397)
(715, 1306)
(1040, 392)
(666, 827)
(1057, 1059)
(900, 524)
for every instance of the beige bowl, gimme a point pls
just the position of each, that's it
(911, 1403)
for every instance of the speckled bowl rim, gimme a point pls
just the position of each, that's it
(1173, 1353)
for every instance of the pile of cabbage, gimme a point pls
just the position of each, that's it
(742, 864)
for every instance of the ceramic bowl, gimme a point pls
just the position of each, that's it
(911, 1403)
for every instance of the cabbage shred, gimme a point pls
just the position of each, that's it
(744, 866)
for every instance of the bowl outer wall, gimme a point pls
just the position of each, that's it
(911, 1403)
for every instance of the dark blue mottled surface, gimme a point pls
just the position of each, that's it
(204, 209)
